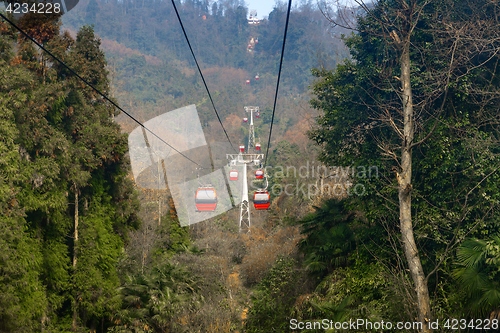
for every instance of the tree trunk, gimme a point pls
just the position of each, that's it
(75, 256)
(404, 185)
(75, 235)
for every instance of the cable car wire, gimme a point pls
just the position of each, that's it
(278, 81)
(201, 74)
(94, 88)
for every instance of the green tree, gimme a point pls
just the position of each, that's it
(273, 299)
(71, 180)
(22, 294)
(339, 246)
(329, 239)
(403, 104)
(96, 177)
(155, 301)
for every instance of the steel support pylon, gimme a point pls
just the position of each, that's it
(244, 207)
(251, 130)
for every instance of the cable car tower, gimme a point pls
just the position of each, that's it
(243, 159)
(244, 207)
(251, 130)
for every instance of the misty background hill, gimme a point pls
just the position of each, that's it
(153, 71)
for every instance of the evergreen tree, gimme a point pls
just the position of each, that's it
(22, 294)
(68, 203)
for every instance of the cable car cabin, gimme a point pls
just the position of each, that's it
(247, 82)
(242, 149)
(257, 115)
(245, 120)
(257, 77)
(261, 200)
(257, 146)
(259, 174)
(205, 199)
(233, 175)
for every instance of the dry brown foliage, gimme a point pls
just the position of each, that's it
(298, 134)
(263, 250)
(225, 77)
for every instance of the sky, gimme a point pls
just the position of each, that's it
(263, 7)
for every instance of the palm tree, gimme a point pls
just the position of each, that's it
(152, 302)
(329, 238)
(478, 275)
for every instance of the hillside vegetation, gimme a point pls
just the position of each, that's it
(383, 164)
(161, 73)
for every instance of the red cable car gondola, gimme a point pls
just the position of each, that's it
(242, 149)
(257, 115)
(257, 146)
(261, 200)
(205, 199)
(233, 174)
(259, 174)
(245, 120)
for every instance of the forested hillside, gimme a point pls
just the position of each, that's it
(152, 67)
(67, 203)
(382, 169)
(72, 213)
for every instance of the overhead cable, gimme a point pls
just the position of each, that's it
(201, 74)
(278, 81)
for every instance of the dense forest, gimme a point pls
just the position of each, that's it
(386, 128)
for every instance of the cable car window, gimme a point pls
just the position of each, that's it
(206, 196)
(261, 198)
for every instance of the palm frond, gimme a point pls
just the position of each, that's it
(472, 252)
